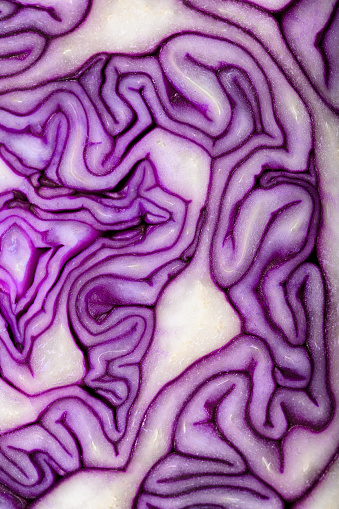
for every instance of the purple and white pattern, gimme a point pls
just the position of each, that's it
(167, 254)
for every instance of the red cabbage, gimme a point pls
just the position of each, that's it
(168, 285)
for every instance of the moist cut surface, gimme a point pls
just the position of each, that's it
(168, 254)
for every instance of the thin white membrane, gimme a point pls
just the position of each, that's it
(194, 316)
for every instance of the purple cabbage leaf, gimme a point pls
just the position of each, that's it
(168, 284)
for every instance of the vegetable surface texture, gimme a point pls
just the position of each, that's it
(169, 242)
